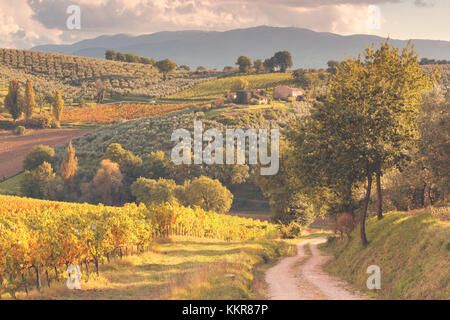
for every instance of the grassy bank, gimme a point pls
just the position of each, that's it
(412, 251)
(181, 268)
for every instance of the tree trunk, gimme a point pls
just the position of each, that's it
(364, 212)
(38, 278)
(48, 278)
(379, 197)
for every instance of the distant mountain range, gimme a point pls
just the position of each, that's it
(214, 49)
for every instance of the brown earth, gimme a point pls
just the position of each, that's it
(302, 278)
(13, 149)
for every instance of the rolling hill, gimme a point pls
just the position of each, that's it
(214, 49)
(75, 76)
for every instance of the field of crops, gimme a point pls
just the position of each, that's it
(42, 237)
(75, 76)
(115, 112)
(217, 88)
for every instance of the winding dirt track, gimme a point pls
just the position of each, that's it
(302, 278)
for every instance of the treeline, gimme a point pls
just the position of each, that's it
(426, 61)
(20, 102)
(281, 61)
(127, 57)
(124, 177)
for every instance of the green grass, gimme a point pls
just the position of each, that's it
(217, 88)
(180, 269)
(11, 186)
(413, 252)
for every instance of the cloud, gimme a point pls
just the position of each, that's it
(425, 3)
(33, 22)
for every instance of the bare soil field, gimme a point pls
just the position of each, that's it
(13, 149)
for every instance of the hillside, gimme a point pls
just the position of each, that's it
(218, 87)
(412, 250)
(214, 49)
(75, 76)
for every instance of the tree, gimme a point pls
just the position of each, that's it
(58, 105)
(13, 101)
(35, 183)
(283, 60)
(239, 84)
(185, 67)
(208, 194)
(258, 65)
(130, 164)
(269, 64)
(110, 55)
(107, 183)
(69, 166)
(101, 89)
(244, 63)
(332, 65)
(201, 69)
(154, 192)
(156, 165)
(165, 67)
(365, 124)
(38, 155)
(29, 103)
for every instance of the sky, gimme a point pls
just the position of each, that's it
(27, 23)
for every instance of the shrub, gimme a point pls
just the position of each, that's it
(345, 224)
(108, 182)
(291, 231)
(208, 194)
(37, 156)
(41, 122)
(20, 130)
(35, 183)
(154, 192)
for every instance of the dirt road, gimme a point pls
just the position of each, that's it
(13, 149)
(302, 278)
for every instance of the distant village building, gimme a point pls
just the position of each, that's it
(285, 92)
(251, 96)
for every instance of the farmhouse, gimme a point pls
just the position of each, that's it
(251, 96)
(285, 92)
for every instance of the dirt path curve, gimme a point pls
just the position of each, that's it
(13, 149)
(302, 278)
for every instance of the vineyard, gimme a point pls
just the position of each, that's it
(116, 112)
(75, 76)
(217, 88)
(40, 238)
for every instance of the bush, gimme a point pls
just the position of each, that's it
(20, 130)
(208, 194)
(42, 122)
(35, 183)
(291, 231)
(153, 192)
(345, 224)
(107, 183)
(37, 156)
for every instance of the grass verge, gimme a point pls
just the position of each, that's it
(412, 251)
(182, 268)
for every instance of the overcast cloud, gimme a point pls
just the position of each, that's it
(25, 23)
